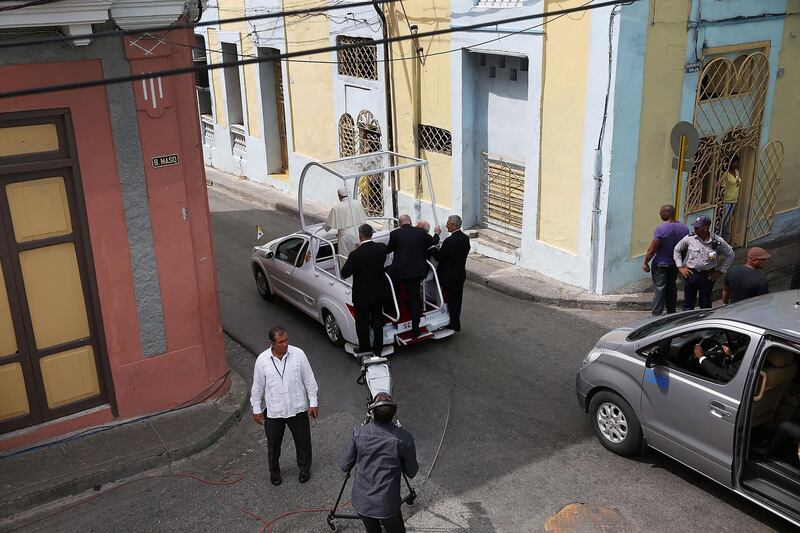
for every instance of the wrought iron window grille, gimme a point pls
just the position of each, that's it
(360, 62)
(435, 139)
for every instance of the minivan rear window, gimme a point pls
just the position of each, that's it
(669, 321)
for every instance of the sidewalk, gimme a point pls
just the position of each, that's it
(100, 455)
(514, 280)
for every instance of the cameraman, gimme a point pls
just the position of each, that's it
(382, 451)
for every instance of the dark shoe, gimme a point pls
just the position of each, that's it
(276, 480)
(414, 333)
(304, 477)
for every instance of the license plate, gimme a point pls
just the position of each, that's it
(404, 325)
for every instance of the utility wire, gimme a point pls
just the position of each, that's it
(28, 4)
(300, 53)
(442, 52)
(191, 25)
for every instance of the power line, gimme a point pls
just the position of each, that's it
(28, 4)
(432, 54)
(191, 25)
(300, 53)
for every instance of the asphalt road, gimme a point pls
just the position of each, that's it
(499, 397)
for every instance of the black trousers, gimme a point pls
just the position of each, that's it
(412, 299)
(301, 433)
(394, 524)
(454, 294)
(698, 282)
(784, 443)
(370, 317)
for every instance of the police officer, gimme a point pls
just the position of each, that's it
(701, 258)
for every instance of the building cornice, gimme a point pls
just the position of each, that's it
(77, 16)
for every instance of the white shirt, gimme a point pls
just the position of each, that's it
(286, 386)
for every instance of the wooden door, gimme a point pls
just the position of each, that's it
(51, 363)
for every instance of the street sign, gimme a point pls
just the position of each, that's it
(684, 141)
(165, 160)
(684, 129)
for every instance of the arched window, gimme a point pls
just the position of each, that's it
(347, 136)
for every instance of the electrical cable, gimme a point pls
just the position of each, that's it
(299, 53)
(191, 25)
(227, 480)
(28, 4)
(99, 429)
(230, 479)
(432, 54)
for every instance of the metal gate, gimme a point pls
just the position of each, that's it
(369, 140)
(502, 194)
(764, 194)
(729, 108)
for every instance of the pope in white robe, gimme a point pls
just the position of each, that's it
(341, 219)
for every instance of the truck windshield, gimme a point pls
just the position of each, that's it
(667, 322)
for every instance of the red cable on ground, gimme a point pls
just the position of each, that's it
(229, 479)
(268, 526)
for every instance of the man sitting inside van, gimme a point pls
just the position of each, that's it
(723, 372)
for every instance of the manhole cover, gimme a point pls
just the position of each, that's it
(587, 518)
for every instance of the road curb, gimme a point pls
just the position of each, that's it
(237, 396)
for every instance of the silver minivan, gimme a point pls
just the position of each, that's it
(717, 390)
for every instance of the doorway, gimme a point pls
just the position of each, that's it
(51, 360)
(273, 112)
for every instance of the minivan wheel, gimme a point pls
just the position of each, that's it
(262, 285)
(615, 423)
(332, 328)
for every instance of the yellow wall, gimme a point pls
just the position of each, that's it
(310, 86)
(661, 105)
(422, 92)
(565, 73)
(216, 78)
(786, 111)
(251, 102)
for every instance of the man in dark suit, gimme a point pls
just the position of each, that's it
(365, 264)
(452, 270)
(722, 373)
(409, 265)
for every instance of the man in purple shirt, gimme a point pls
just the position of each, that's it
(664, 271)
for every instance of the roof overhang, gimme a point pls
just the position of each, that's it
(74, 17)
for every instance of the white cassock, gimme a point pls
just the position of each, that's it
(341, 220)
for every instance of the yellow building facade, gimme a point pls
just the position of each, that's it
(549, 136)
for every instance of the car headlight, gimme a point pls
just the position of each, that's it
(591, 357)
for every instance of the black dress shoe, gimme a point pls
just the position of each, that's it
(276, 480)
(304, 477)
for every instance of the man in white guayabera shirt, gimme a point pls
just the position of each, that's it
(284, 382)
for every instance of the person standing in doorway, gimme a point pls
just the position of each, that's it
(452, 257)
(284, 382)
(663, 269)
(747, 280)
(702, 258)
(365, 264)
(730, 197)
